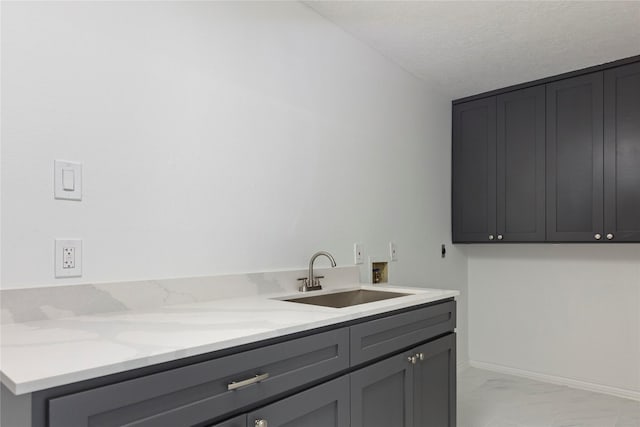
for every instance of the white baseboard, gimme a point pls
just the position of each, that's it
(582, 385)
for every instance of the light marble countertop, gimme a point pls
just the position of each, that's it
(38, 355)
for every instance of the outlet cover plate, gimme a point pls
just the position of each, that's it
(68, 258)
(393, 251)
(358, 255)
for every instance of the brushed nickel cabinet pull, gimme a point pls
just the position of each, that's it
(237, 384)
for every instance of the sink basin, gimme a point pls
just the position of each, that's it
(347, 298)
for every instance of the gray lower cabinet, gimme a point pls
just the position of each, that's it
(416, 388)
(394, 370)
(326, 405)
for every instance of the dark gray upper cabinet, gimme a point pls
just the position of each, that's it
(499, 167)
(521, 166)
(474, 171)
(575, 159)
(622, 154)
(567, 160)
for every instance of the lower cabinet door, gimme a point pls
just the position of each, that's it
(435, 383)
(326, 405)
(240, 421)
(382, 394)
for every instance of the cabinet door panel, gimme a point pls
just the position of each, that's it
(622, 153)
(382, 394)
(435, 384)
(326, 405)
(575, 159)
(521, 165)
(474, 170)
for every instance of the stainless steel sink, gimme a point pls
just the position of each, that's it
(347, 298)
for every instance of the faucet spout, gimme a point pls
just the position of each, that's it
(312, 281)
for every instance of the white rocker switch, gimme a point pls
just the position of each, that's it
(68, 179)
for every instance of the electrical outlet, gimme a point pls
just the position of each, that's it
(358, 254)
(68, 258)
(393, 251)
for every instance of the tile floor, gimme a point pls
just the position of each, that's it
(488, 399)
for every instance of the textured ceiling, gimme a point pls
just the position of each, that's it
(468, 47)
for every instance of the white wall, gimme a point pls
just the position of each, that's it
(567, 311)
(216, 138)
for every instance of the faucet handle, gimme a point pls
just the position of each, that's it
(319, 277)
(305, 284)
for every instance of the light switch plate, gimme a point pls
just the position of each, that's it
(67, 180)
(68, 258)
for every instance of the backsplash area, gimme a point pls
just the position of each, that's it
(24, 305)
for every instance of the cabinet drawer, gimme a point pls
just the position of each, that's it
(389, 334)
(196, 393)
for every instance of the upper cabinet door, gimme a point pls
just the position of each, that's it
(521, 165)
(575, 159)
(622, 153)
(474, 171)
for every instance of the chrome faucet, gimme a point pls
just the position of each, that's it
(312, 282)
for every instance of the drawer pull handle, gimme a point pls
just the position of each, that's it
(237, 384)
